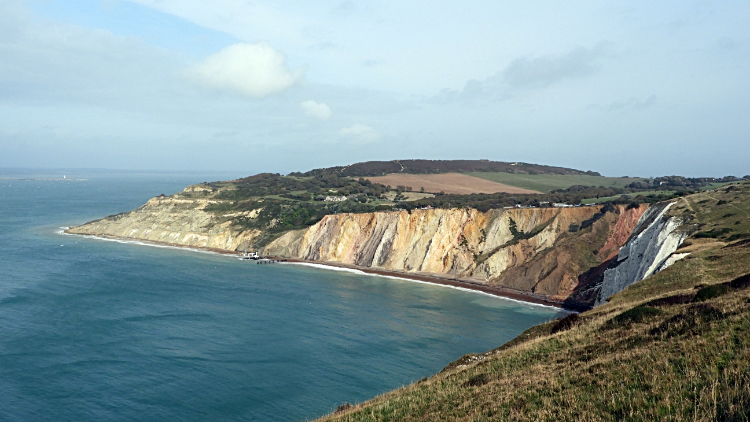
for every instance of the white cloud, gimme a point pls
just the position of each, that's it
(256, 70)
(360, 132)
(318, 110)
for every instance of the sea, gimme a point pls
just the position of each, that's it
(102, 330)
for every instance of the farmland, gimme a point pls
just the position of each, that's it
(550, 182)
(453, 183)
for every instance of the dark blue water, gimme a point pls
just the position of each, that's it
(94, 330)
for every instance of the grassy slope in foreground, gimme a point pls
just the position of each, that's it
(686, 357)
(549, 182)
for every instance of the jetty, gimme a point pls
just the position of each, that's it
(270, 261)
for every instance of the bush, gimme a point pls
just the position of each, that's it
(671, 300)
(478, 380)
(712, 234)
(343, 408)
(635, 315)
(737, 236)
(711, 292)
(739, 283)
(692, 320)
(564, 324)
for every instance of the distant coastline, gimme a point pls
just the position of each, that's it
(61, 179)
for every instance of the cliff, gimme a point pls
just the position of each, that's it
(648, 251)
(176, 221)
(534, 250)
(539, 251)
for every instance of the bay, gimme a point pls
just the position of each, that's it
(95, 330)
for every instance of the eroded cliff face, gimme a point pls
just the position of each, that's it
(175, 221)
(650, 249)
(531, 249)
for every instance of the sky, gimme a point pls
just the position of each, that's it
(625, 88)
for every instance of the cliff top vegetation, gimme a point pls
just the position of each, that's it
(298, 200)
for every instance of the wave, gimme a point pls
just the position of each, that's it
(479, 292)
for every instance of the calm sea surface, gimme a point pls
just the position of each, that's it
(94, 330)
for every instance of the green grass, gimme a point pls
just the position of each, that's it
(716, 185)
(548, 182)
(723, 215)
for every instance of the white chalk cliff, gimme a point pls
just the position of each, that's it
(648, 251)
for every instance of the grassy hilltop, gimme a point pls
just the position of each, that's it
(674, 346)
(298, 200)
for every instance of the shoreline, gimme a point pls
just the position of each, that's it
(145, 242)
(498, 291)
(451, 282)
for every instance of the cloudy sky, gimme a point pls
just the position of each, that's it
(624, 88)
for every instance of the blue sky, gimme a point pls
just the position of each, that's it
(623, 88)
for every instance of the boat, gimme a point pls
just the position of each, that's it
(250, 255)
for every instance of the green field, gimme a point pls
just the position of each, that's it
(549, 182)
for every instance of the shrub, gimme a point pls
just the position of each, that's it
(564, 324)
(343, 408)
(671, 300)
(710, 292)
(690, 321)
(478, 380)
(739, 283)
(737, 236)
(712, 234)
(635, 315)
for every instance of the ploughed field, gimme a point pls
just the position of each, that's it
(453, 183)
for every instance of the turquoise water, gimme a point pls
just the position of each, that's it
(94, 330)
